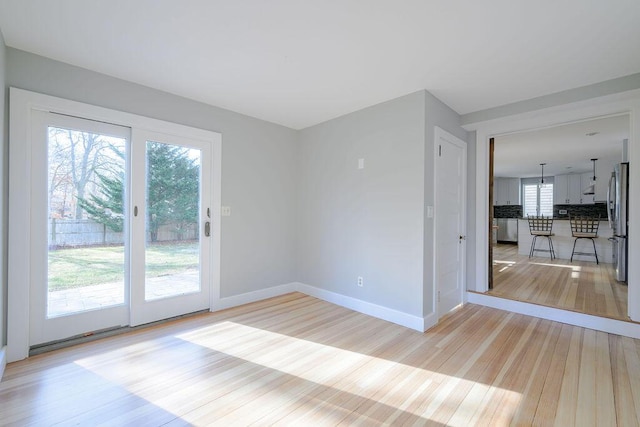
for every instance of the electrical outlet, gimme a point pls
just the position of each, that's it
(360, 281)
(225, 210)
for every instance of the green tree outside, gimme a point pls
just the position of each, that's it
(172, 192)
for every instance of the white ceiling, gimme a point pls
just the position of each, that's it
(301, 62)
(565, 149)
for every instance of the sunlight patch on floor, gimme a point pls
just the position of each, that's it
(340, 363)
(284, 355)
(572, 267)
(507, 264)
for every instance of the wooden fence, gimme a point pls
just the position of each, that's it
(85, 232)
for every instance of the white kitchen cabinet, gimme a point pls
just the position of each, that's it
(561, 189)
(506, 191)
(575, 189)
(567, 189)
(513, 191)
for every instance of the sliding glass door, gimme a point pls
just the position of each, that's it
(119, 226)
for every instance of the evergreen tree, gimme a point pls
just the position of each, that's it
(107, 208)
(172, 188)
(172, 192)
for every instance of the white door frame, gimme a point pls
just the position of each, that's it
(439, 134)
(21, 104)
(625, 102)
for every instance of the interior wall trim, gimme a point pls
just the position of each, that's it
(384, 313)
(254, 296)
(3, 361)
(604, 324)
(398, 317)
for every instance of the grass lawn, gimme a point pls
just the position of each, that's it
(74, 268)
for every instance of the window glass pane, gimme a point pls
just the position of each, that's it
(86, 173)
(546, 200)
(172, 253)
(538, 199)
(530, 199)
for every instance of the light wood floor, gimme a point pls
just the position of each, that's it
(295, 360)
(581, 286)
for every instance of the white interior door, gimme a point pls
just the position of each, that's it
(78, 229)
(450, 231)
(171, 226)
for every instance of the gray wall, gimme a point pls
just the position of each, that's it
(365, 222)
(258, 164)
(436, 114)
(4, 149)
(301, 208)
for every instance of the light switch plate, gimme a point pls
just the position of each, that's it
(360, 163)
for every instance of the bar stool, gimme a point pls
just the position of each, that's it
(584, 228)
(540, 226)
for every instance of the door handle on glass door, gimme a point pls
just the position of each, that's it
(207, 229)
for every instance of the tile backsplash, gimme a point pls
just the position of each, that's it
(515, 211)
(507, 211)
(595, 210)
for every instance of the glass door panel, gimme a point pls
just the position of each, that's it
(171, 189)
(86, 259)
(172, 250)
(78, 227)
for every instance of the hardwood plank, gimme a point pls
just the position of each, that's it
(624, 403)
(568, 402)
(548, 404)
(586, 413)
(582, 286)
(296, 360)
(605, 401)
(536, 381)
(632, 359)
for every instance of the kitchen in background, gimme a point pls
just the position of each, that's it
(507, 208)
(505, 217)
(566, 168)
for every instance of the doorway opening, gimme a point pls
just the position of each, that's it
(551, 172)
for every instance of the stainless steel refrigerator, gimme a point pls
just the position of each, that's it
(618, 212)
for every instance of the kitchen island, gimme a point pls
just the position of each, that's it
(563, 242)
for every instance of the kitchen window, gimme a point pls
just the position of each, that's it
(537, 198)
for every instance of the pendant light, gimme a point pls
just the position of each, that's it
(542, 173)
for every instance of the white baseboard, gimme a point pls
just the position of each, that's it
(374, 310)
(430, 320)
(3, 361)
(254, 296)
(612, 326)
(407, 320)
